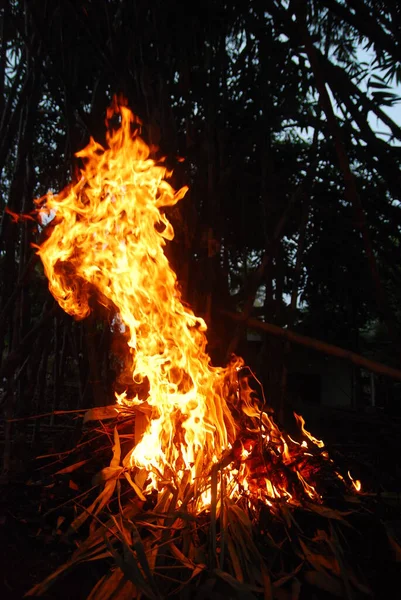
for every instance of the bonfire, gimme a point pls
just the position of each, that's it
(205, 461)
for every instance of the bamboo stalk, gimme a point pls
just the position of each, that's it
(318, 345)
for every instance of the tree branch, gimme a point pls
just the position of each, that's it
(319, 346)
(351, 192)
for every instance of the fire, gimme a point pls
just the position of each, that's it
(355, 482)
(107, 239)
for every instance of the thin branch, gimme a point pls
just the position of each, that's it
(319, 346)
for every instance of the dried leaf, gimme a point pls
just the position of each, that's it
(241, 516)
(319, 561)
(235, 561)
(243, 542)
(139, 548)
(134, 486)
(129, 566)
(140, 477)
(101, 413)
(295, 589)
(96, 505)
(352, 499)
(71, 468)
(345, 572)
(106, 494)
(396, 547)
(186, 562)
(205, 591)
(267, 584)
(329, 513)
(43, 586)
(106, 474)
(113, 585)
(394, 544)
(283, 580)
(115, 461)
(326, 582)
(289, 518)
(241, 588)
(60, 521)
(131, 571)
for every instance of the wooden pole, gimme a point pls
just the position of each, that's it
(319, 346)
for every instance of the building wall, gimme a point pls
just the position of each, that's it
(337, 383)
(327, 380)
(313, 378)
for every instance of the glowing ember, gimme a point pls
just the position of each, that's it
(107, 237)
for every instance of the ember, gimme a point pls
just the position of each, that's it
(108, 234)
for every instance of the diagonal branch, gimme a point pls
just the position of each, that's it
(318, 345)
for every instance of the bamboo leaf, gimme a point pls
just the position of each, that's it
(101, 413)
(72, 468)
(267, 584)
(242, 541)
(289, 518)
(240, 588)
(115, 461)
(96, 505)
(345, 573)
(129, 567)
(319, 561)
(326, 582)
(140, 477)
(134, 486)
(107, 585)
(106, 474)
(241, 516)
(235, 561)
(139, 548)
(184, 560)
(283, 580)
(396, 548)
(329, 513)
(106, 494)
(394, 544)
(43, 586)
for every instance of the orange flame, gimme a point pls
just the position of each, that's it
(108, 237)
(356, 483)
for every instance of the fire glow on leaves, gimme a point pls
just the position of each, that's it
(108, 235)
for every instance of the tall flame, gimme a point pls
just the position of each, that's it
(110, 231)
(108, 237)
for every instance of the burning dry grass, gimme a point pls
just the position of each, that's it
(191, 507)
(162, 546)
